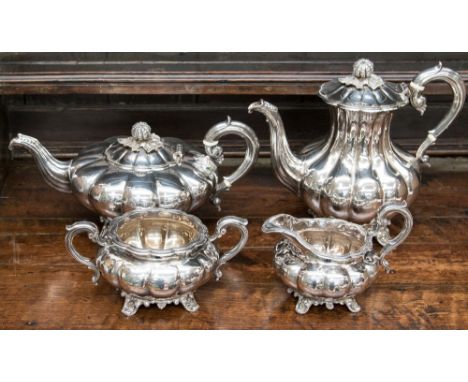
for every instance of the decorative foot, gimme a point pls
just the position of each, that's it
(386, 266)
(133, 302)
(303, 305)
(188, 302)
(131, 305)
(352, 305)
(95, 278)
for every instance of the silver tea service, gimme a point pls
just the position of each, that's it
(143, 170)
(156, 256)
(355, 181)
(357, 169)
(330, 261)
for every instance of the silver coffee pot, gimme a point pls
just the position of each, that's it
(357, 169)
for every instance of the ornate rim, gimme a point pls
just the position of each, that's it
(360, 106)
(336, 225)
(340, 225)
(110, 233)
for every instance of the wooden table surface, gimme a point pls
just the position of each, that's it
(42, 287)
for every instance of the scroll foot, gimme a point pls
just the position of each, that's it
(188, 302)
(303, 305)
(130, 306)
(352, 305)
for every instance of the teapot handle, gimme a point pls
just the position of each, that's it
(216, 152)
(93, 234)
(417, 86)
(220, 230)
(381, 232)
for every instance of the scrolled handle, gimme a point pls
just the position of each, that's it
(220, 230)
(417, 86)
(216, 152)
(381, 233)
(93, 234)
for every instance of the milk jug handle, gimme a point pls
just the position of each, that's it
(381, 232)
(416, 88)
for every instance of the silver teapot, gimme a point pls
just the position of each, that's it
(143, 170)
(330, 261)
(358, 168)
(156, 256)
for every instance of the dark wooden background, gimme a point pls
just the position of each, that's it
(71, 100)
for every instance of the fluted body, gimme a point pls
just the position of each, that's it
(137, 180)
(357, 169)
(157, 256)
(144, 170)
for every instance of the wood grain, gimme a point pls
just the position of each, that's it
(42, 287)
(202, 73)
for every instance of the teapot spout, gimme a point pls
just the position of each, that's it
(54, 171)
(288, 167)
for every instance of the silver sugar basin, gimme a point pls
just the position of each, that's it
(156, 256)
(330, 261)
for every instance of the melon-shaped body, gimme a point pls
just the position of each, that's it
(160, 279)
(114, 177)
(317, 278)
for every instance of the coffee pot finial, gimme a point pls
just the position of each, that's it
(363, 68)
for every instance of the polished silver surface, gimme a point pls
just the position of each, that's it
(144, 170)
(357, 169)
(330, 261)
(156, 256)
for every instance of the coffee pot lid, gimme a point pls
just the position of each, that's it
(143, 150)
(364, 90)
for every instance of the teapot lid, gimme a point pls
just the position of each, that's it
(144, 151)
(364, 90)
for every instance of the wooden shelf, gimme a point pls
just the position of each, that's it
(203, 73)
(42, 287)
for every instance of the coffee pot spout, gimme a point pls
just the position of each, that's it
(288, 167)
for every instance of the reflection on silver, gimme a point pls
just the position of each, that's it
(156, 256)
(330, 261)
(143, 170)
(357, 168)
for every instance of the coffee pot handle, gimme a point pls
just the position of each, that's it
(417, 86)
(381, 233)
(93, 234)
(216, 152)
(220, 230)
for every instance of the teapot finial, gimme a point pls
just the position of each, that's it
(141, 131)
(363, 68)
(142, 138)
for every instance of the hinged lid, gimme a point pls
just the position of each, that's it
(143, 151)
(364, 90)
